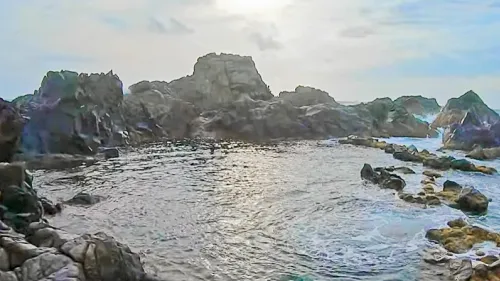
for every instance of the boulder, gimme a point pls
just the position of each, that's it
(419, 105)
(383, 178)
(74, 113)
(110, 152)
(467, 199)
(402, 170)
(456, 109)
(432, 174)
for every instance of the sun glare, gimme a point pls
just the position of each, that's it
(251, 6)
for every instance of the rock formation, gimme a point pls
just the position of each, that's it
(220, 80)
(419, 105)
(470, 132)
(73, 113)
(31, 250)
(456, 109)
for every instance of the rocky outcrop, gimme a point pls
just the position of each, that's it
(457, 108)
(480, 153)
(74, 113)
(220, 80)
(307, 96)
(419, 105)
(470, 133)
(392, 119)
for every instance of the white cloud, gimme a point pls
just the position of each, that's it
(296, 42)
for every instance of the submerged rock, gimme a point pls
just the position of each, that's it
(84, 198)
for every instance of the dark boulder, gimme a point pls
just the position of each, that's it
(406, 156)
(471, 132)
(383, 178)
(471, 200)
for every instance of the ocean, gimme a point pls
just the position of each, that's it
(289, 211)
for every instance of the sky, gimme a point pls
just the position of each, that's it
(356, 50)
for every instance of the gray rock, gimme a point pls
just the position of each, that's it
(8, 276)
(461, 270)
(4, 260)
(50, 266)
(471, 200)
(84, 198)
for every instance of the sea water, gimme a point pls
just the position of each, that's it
(290, 211)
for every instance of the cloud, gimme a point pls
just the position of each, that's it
(438, 48)
(357, 32)
(172, 26)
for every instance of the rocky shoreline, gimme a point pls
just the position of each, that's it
(459, 237)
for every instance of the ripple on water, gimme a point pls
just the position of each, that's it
(285, 212)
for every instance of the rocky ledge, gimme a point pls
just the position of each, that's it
(411, 154)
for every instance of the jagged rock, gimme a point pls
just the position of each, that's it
(84, 198)
(74, 113)
(307, 96)
(51, 266)
(456, 109)
(11, 125)
(419, 105)
(219, 80)
(471, 132)
(435, 255)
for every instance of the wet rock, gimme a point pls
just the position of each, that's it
(432, 174)
(438, 163)
(84, 198)
(383, 178)
(480, 253)
(462, 165)
(461, 270)
(451, 186)
(51, 266)
(480, 153)
(460, 238)
(471, 200)
(110, 153)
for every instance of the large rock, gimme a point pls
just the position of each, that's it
(219, 80)
(74, 113)
(11, 125)
(467, 199)
(152, 107)
(419, 105)
(456, 109)
(307, 96)
(471, 132)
